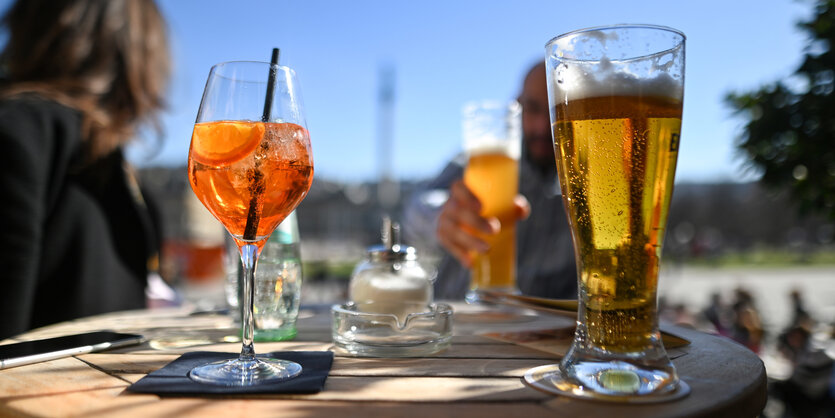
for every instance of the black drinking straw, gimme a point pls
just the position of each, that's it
(268, 101)
(256, 187)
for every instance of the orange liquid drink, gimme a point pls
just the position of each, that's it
(235, 163)
(494, 178)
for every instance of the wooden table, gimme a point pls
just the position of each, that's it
(477, 376)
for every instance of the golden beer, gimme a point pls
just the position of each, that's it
(616, 158)
(494, 178)
(616, 98)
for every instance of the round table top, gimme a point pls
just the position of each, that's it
(480, 374)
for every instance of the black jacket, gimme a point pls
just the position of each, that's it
(75, 237)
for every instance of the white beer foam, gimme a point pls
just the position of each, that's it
(492, 127)
(579, 80)
(487, 146)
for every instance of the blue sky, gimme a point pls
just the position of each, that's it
(446, 53)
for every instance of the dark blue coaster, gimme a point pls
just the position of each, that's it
(173, 378)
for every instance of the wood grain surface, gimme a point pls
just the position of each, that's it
(476, 377)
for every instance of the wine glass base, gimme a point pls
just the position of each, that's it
(239, 372)
(625, 386)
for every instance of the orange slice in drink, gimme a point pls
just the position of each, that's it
(224, 142)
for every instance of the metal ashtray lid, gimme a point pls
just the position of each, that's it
(394, 253)
(391, 250)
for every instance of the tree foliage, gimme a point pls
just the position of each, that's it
(789, 133)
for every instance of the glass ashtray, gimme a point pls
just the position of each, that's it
(369, 330)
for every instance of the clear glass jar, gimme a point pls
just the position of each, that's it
(391, 280)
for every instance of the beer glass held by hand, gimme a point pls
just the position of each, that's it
(250, 163)
(616, 101)
(492, 140)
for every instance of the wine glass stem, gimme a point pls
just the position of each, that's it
(249, 259)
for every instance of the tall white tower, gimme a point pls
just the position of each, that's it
(388, 189)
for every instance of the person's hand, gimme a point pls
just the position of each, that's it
(460, 223)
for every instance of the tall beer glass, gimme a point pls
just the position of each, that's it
(492, 132)
(616, 100)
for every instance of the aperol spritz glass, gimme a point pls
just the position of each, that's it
(251, 164)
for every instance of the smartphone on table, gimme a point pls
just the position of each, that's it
(28, 352)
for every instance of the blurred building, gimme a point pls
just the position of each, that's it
(338, 221)
(716, 218)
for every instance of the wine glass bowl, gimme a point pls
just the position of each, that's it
(250, 164)
(275, 164)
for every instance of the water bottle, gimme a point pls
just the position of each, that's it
(278, 281)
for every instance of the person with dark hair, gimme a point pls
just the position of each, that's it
(747, 328)
(545, 255)
(807, 391)
(79, 77)
(800, 316)
(716, 313)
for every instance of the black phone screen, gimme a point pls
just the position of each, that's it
(70, 344)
